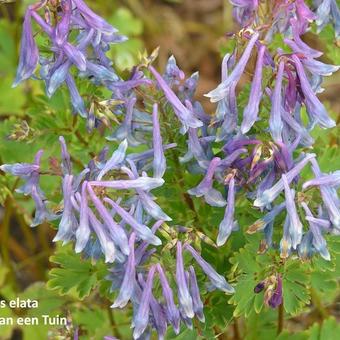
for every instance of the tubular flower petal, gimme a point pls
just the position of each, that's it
(275, 122)
(217, 280)
(251, 110)
(184, 296)
(29, 54)
(227, 223)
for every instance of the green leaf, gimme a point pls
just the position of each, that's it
(74, 274)
(296, 281)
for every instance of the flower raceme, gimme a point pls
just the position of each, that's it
(108, 210)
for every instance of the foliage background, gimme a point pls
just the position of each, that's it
(195, 32)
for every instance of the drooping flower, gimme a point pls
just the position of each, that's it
(227, 224)
(329, 197)
(116, 231)
(217, 280)
(269, 195)
(105, 241)
(275, 122)
(171, 309)
(68, 223)
(93, 20)
(184, 297)
(195, 294)
(115, 161)
(332, 180)
(143, 183)
(318, 240)
(159, 162)
(29, 172)
(141, 230)
(186, 117)
(128, 282)
(221, 91)
(83, 231)
(327, 10)
(251, 110)
(276, 298)
(29, 53)
(42, 214)
(295, 225)
(314, 107)
(261, 223)
(211, 195)
(141, 318)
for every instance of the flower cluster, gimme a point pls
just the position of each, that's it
(107, 209)
(266, 166)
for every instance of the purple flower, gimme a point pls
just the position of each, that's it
(151, 207)
(184, 297)
(141, 230)
(327, 10)
(93, 20)
(141, 318)
(329, 197)
(226, 110)
(227, 224)
(105, 240)
(29, 54)
(259, 287)
(100, 72)
(172, 312)
(143, 183)
(63, 26)
(269, 195)
(217, 280)
(221, 91)
(195, 294)
(304, 15)
(195, 149)
(76, 100)
(286, 241)
(244, 11)
(115, 161)
(128, 283)
(57, 78)
(125, 129)
(275, 122)
(146, 199)
(159, 162)
(42, 214)
(211, 195)
(261, 223)
(251, 110)
(276, 298)
(318, 240)
(332, 180)
(83, 231)
(319, 68)
(314, 107)
(28, 172)
(186, 117)
(116, 231)
(295, 227)
(173, 74)
(65, 157)
(68, 223)
(297, 45)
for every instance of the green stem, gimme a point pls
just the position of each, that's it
(318, 304)
(112, 322)
(280, 319)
